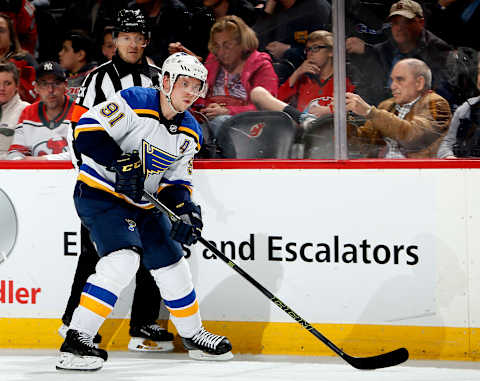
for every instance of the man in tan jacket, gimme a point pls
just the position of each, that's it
(412, 123)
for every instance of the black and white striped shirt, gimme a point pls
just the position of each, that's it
(113, 76)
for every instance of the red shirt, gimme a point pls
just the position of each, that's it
(307, 89)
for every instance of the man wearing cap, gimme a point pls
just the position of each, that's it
(43, 126)
(409, 39)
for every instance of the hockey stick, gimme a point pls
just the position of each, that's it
(374, 362)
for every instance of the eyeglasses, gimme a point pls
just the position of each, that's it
(45, 85)
(127, 40)
(315, 48)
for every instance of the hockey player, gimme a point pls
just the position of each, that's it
(128, 68)
(141, 139)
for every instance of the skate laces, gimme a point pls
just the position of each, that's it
(155, 328)
(86, 339)
(207, 339)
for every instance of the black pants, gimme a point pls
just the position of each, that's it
(146, 299)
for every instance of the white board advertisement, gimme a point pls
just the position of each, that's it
(338, 246)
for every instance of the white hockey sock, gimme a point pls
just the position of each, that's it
(113, 273)
(176, 287)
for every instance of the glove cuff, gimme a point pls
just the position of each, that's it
(173, 195)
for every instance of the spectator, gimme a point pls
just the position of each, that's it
(108, 45)
(461, 69)
(413, 122)
(241, 8)
(126, 69)
(366, 20)
(76, 58)
(43, 126)
(10, 49)
(169, 21)
(309, 90)
(283, 27)
(10, 103)
(235, 67)
(205, 15)
(92, 16)
(23, 15)
(463, 15)
(409, 39)
(48, 16)
(462, 139)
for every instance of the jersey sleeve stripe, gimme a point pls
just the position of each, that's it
(83, 121)
(18, 148)
(87, 124)
(78, 130)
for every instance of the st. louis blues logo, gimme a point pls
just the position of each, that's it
(155, 160)
(131, 224)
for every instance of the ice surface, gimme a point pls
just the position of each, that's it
(39, 365)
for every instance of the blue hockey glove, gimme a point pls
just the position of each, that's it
(129, 177)
(189, 228)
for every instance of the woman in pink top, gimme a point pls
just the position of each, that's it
(235, 67)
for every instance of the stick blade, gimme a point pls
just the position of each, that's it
(384, 360)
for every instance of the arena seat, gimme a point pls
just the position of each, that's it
(318, 139)
(257, 135)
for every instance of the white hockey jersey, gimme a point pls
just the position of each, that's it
(35, 135)
(134, 120)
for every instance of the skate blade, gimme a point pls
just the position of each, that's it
(203, 356)
(139, 344)
(68, 361)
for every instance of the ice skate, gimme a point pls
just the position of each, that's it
(150, 338)
(62, 331)
(79, 353)
(208, 346)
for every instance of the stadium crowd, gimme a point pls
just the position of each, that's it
(412, 72)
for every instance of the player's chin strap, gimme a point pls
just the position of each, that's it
(170, 104)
